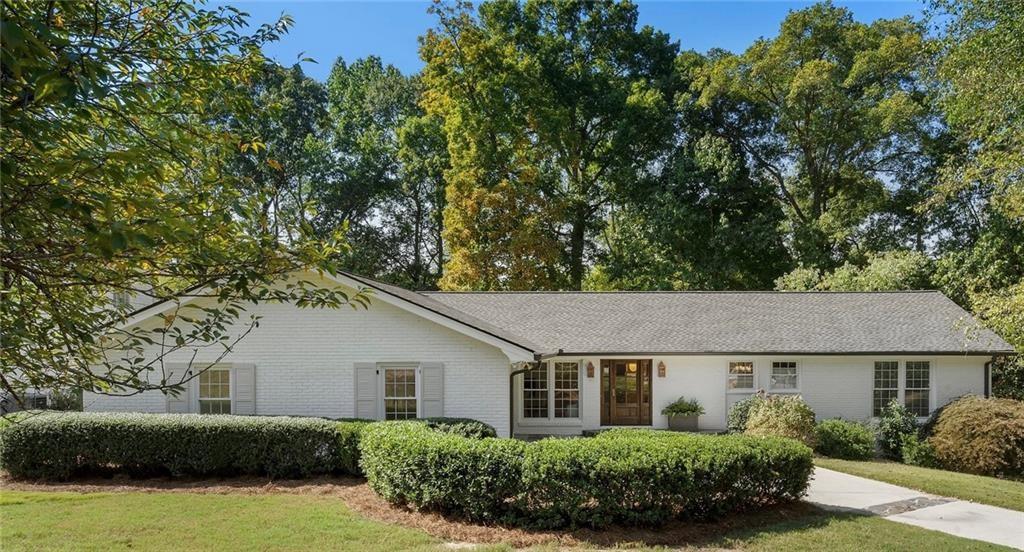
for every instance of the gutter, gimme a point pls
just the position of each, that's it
(538, 358)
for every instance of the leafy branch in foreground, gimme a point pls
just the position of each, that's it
(115, 141)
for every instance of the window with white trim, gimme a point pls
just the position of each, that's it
(535, 392)
(917, 387)
(886, 386)
(741, 376)
(121, 299)
(567, 390)
(215, 391)
(399, 393)
(784, 376)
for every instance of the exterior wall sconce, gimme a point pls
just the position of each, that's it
(661, 368)
(590, 369)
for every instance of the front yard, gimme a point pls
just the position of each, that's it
(976, 488)
(340, 513)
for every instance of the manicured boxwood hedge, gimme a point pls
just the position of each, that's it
(466, 427)
(410, 463)
(844, 439)
(623, 476)
(59, 445)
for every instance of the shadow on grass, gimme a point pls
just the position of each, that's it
(728, 532)
(723, 533)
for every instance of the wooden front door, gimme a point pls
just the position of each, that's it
(626, 392)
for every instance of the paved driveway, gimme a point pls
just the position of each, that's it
(840, 491)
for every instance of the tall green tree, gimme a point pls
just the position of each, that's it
(551, 108)
(289, 116)
(385, 182)
(115, 167)
(979, 72)
(704, 220)
(843, 111)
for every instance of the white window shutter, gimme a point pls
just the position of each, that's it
(367, 405)
(182, 402)
(243, 389)
(431, 389)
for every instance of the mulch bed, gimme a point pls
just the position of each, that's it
(357, 495)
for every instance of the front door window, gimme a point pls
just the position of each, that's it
(626, 392)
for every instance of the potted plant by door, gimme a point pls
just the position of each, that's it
(683, 414)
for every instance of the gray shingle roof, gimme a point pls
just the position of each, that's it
(425, 301)
(728, 322)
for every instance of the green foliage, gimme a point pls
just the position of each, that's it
(683, 407)
(918, 452)
(385, 179)
(983, 436)
(465, 427)
(824, 67)
(889, 271)
(704, 222)
(117, 151)
(60, 445)
(346, 447)
(537, 142)
(894, 424)
(979, 70)
(630, 477)
(843, 439)
(739, 413)
(410, 463)
(782, 416)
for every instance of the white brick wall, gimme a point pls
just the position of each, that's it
(304, 363)
(834, 386)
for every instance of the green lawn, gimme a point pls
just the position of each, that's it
(185, 521)
(976, 488)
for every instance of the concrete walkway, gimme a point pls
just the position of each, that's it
(839, 491)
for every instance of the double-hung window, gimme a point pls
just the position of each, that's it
(552, 391)
(399, 393)
(917, 387)
(784, 376)
(215, 391)
(886, 387)
(915, 393)
(567, 390)
(535, 392)
(741, 376)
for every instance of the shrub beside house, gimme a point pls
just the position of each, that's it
(455, 466)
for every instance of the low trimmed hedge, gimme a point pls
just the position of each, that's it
(410, 463)
(59, 445)
(630, 477)
(466, 427)
(844, 439)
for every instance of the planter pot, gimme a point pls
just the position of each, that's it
(683, 423)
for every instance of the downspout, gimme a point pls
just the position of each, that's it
(988, 377)
(537, 359)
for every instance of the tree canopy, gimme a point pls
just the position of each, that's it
(117, 141)
(546, 145)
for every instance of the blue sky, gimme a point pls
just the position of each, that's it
(326, 30)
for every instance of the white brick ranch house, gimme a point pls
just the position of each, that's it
(594, 359)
